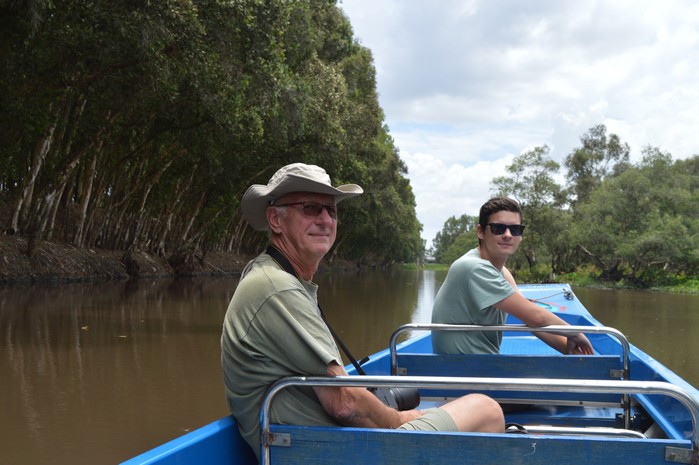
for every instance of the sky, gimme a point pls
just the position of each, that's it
(467, 85)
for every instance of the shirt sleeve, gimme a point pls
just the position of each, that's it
(296, 335)
(487, 285)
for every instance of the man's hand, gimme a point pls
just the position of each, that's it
(579, 344)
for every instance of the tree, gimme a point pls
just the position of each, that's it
(453, 229)
(140, 125)
(630, 224)
(599, 157)
(530, 181)
(462, 243)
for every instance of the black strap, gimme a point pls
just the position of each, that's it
(286, 265)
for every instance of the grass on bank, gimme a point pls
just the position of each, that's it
(587, 277)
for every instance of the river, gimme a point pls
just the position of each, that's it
(97, 373)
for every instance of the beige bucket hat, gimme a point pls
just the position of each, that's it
(297, 177)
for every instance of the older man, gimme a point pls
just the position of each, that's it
(273, 327)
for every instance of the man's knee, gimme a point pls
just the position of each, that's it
(492, 412)
(477, 412)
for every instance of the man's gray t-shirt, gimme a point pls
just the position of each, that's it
(472, 286)
(273, 329)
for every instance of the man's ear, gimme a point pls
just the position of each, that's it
(274, 220)
(479, 232)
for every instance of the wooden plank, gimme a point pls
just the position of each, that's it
(511, 366)
(515, 366)
(341, 446)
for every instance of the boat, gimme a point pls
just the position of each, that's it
(619, 406)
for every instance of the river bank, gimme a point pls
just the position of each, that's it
(22, 261)
(25, 262)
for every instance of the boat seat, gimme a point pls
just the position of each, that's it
(601, 367)
(342, 445)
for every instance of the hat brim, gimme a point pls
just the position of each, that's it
(258, 196)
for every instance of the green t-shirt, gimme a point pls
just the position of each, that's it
(273, 329)
(467, 296)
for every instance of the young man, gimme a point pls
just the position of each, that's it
(480, 290)
(273, 327)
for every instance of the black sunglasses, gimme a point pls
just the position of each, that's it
(499, 228)
(312, 208)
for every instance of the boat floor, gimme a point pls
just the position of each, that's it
(557, 415)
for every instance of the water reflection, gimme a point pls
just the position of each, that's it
(364, 308)
(91, 369)
(97, 373)
(664, 325)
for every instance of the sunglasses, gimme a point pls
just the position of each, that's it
(312, 208)
(499, 228)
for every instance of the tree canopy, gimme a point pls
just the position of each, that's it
(631, 223)
(132, 125)
(140, 125)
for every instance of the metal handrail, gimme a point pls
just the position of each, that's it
(504, 384)
(556, 329)
(559, 329)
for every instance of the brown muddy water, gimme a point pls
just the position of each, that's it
(97, 373)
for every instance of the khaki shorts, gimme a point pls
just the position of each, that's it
(434, 419)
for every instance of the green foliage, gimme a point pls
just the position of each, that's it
(142, 124)
(386, 212)
(536, 274)
(462, 244)
(631, 225)
(681, 284)
(531, 182)
(452, 230)
(583, 276)
(130, 124)
(600, 157)
(641, 225)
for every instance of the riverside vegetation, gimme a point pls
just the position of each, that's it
(131, 131)
(136, 128)
(614, 223)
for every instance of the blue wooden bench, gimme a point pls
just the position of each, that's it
(342, 446)
(517, 366)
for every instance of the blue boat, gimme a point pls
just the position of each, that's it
(618, 406)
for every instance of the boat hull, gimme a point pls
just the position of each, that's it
(665, 425)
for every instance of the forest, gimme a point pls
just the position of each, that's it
(139, 125)
(604, 220)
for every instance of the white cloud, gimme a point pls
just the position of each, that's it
(466, 85)
(449, 189)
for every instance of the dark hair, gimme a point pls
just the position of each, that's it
(498, 204)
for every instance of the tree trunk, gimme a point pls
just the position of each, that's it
(192, 217)
(161, 235)
(142, 210)
(41, 150)
(85, 195)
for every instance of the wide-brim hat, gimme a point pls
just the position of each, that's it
(297, 177)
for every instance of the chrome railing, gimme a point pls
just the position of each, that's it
(554, 329)
(483, 384)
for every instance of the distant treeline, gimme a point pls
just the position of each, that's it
(139, 125)
(614, 221)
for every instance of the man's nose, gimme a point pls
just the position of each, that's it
(325, 215)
